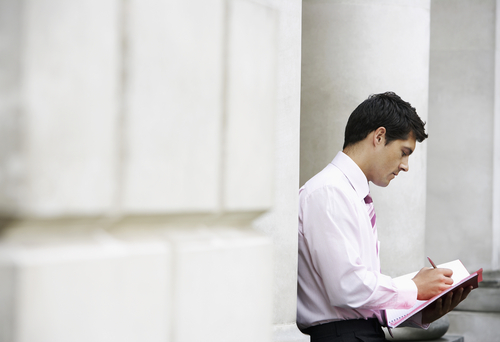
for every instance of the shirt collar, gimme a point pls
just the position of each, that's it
(353, 173)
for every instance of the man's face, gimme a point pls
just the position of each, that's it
(391, 159)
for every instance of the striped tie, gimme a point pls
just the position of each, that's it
(371, 210)
(373, 218)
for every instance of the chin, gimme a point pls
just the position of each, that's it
(382, 184)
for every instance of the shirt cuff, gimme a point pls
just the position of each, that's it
(407, 293)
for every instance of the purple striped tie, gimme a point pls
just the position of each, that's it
(373, 218)
(371, 210)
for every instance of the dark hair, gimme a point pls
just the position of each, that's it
(384, 110)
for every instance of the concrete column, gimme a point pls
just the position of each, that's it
(496, 148)
(463, 168)
(461, 147)
(351, 49)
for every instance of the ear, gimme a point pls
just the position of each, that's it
(379, 136)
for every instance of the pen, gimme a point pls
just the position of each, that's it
(433, 264)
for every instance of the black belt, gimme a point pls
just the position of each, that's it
(338, 328)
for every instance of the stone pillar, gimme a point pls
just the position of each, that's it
(351, 49)
(280, 223)
(463, 219)
(139, 150)
(461, 104)
(496, 147)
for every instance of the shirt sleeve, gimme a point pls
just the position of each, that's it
(336, 243)
(408, 290)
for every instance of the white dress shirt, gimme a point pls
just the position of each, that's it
(338, 263)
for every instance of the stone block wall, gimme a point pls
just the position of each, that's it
(139, 169)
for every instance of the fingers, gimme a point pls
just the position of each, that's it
(460, 295)
(445, 279)
(466, 292)
(448, 281)
(446, 271)
(442, 307)
(446, 275)
(453, 299)
(445, 304)
(432, 281)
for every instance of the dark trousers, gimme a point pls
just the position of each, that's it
(353, 330)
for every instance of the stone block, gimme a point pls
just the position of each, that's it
(436, 330)
(81, 293)
(290, 333)
(251, 105)
(486, 298)
(222, 286)
(10, 122)
(173, 105)
(69, 85)
(445, 338)
(475, 326)
(482, 299)
(7, 291)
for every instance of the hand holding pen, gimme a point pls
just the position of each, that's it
(443, 305)
(432, 281)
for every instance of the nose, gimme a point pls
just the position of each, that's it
(404, 167)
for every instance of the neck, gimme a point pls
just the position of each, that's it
(361, 155)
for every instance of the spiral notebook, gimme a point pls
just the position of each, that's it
(461, 279)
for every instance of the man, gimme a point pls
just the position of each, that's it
(341, 292)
